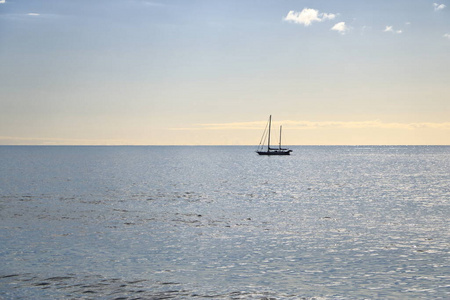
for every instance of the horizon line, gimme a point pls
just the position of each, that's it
(200, 145)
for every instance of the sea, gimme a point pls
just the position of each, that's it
(221, 222)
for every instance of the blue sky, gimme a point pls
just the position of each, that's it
(210, 72)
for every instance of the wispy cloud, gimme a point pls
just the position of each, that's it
(307, 16)
(341, 27)
(305, 125)
(2, 1)
(391, 29)
(364, 29)
(365, 124)
(447, 35)
(13, 140)
(225, 126)
(151, 3)
(438, 7)
(33, 14)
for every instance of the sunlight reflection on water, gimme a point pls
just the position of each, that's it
(223, 222)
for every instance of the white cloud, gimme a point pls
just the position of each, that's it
(438, 7)
(447, 35)
(328, 16)
(2, 1)
(391, 29)
(33, 14)
(307, 16)
(341, 28)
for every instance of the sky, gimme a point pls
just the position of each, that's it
(210, 72)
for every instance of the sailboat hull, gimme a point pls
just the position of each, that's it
(276, 152)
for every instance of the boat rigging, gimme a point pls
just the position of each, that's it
(269, 150)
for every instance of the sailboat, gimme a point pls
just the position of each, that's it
(271, 151)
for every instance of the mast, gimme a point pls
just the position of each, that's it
(280, 138)
(268, 140)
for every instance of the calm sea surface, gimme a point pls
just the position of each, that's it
(224, 223)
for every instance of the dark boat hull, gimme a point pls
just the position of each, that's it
(288, 152)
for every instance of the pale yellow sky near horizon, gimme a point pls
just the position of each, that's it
(294, 133)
